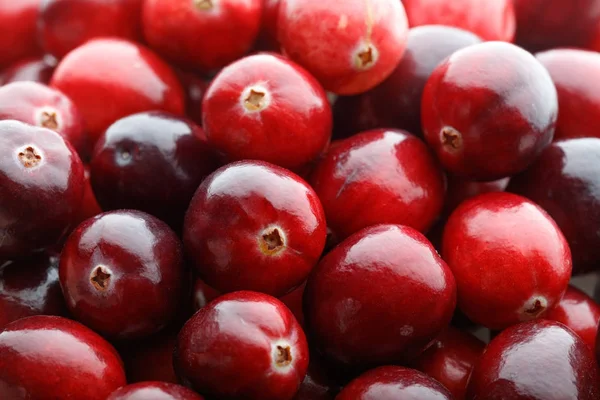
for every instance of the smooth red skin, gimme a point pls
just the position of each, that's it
(36, 69)
(227, 216)
(396, 102)
(27, 223)
(291, 131)
(503, 249)
(450, 360)
(267, 38)
(327, 49)
(379, 297)
(19, 36)
(89, 205)
(490, 20)
(100, 73)
(215, 346)
(195, 89)
(572, 72)
(394, 383)
(30, 287)
(150, 359)
(48, 358)
(535, 360)
(64, 25)
(146, 285)
(565, 182)
(229, 29)
(459, 190)
(293, 301)
(376, 177)
(154, 391)
(506, 113)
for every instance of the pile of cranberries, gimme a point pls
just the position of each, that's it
(299, 199)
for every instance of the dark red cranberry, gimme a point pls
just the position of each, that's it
(195, 89)
(151, 358)
(254, 226)
(267, 39)
(41, 180)
(510, 260)
(459, 190)
(394, 383)
(64, 25)
(354, 46)
(122, 274)
(154, 390)
(487, 120)
(265, 107)
(108, 79)
(19, 35)
(293, 301)
(379, 297)
(226, 28)
(565, 181)
(379, 176)
(35, 69)
(215, 346)
(396, 102)
(47, 357)
(203, 294)
(317, 384)
(536, 360)
(89, 205)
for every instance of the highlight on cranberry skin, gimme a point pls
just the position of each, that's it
(154, 390)
(36, 69)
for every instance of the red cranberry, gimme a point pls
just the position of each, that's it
(397, 101)
(47, 357)
(379, 176)
(268, 34)
(294, 301)
(121, 273)
(64, 25)
(36, 69)
(154, 390)
(379, 297)
(486, 120)
(214, 348)
(565, 181)
(394, 383)
(510, 260)
(203, 294)
(267, 108)
(353, 48)
(536, 360)
(41, 179)
(254, 226)
(195, 89)
(578, 95)
(89, 205)
(201, 34)
(450, 360)
(151, 358)
(459, 190)
(124, 75)
(19, 35)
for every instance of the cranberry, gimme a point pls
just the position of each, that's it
(268, 34)
(122, 273)
(293, 301)
(226, 29)
(536, 360)
(459, 190)
(19, 36)
(215, 345)
(36, 69)
(379, 297)
(203, 294)
(47, 357)
(37, 169)
(124, 75)
(89, 205)
(397, 101)
(394, 383)
(151, 358)
(152, 162)
(64, 25)
(254, 226)
(267, 108)
(379, 176)
(317, 385)
(195, 89)
(354, 46)
(510, 260)
(154, 390)
(450, 360)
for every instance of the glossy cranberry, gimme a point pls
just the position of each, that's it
(151, 358)
(459, 190)
(37, 169)
(121, 273)
(536, 360)
(510, 260)
(36, 69)
(195, 89)
(267, 108)
(254, 226)
(47, 357)
(127, 76)
(214, 348)
(450, 360)
(379, 176)
(565, 181)
(293, 300)
(396, 102)
(64, 25)
(394, 383)
(379, 297)
(353, 48)
(154, 391)
(19, 36)
(89, 205)
(227, 29)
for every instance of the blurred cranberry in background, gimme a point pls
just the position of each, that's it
(19, 30)
(36, 69)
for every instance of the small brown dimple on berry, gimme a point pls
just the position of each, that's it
(283, 357)
(535, 308)
(100, 278)
(203, 4)
(255, 100)
(49, 119)
(365, 58)
(29, 157)
(272, 241)
(451, 138)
